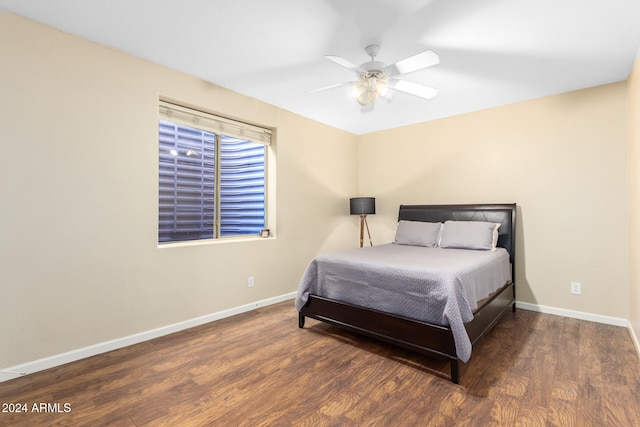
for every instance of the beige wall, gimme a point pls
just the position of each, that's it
(561, 158)
(634, 197)
(79, 263)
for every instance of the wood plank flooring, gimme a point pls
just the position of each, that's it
(259, 369)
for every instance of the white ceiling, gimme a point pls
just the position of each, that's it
(492, 52)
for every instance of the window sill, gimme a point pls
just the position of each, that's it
(219, 241)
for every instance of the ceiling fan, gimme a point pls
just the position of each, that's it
(375, 79)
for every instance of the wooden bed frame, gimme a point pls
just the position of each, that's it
(426, 338)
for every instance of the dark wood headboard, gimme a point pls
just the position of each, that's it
(505, 214)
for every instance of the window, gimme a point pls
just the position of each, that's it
(211, 176)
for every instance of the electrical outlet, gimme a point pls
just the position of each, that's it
(576, 288)
(250, 282)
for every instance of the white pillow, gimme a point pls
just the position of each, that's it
(417, 233)
(469, 235)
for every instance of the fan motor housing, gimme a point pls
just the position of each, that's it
(373, 66)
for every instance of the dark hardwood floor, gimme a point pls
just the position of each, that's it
(259, 369)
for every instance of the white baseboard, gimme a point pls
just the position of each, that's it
(635, 338)
(608, 320)
(73, 355)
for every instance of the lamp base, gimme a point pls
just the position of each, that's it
(363, 224)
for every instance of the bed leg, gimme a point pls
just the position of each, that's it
(513, 307)
(300, 320)
(455, 373)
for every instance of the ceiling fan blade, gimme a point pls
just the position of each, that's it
(346, 64)
(415, 89)
(417, 62)
(331, 87)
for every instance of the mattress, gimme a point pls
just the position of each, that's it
(430, 284)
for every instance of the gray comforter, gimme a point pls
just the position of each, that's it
(435, 285)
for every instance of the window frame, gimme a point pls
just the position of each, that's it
(221, 127)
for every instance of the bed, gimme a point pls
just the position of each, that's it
(354, 289)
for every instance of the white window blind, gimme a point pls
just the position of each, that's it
(212, 123)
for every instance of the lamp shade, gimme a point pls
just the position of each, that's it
(362, 205)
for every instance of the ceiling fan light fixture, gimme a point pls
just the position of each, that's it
(358, 89)
(362, 94)
(383, 88)
(372, 85)
(365, 99)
